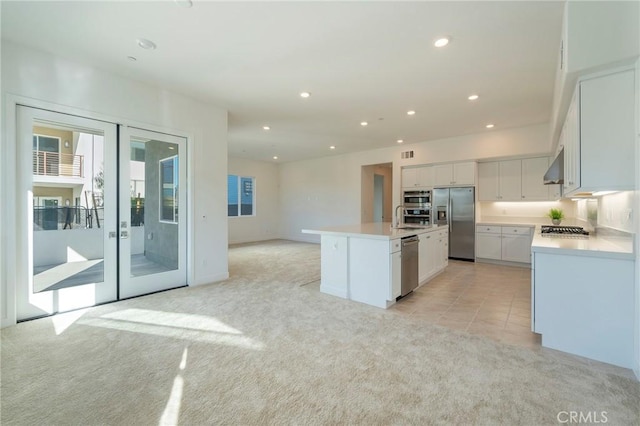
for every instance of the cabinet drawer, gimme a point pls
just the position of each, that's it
(516, 230)
(488, 229)
(395, 245)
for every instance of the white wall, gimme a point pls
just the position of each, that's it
(327, 191)
(525, 212)
(39, 78)
(264, 225)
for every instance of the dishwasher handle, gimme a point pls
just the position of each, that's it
(406, 241)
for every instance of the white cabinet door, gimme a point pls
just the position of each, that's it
(570, 138)
(464, 173)
(510, 180)
(334, 275)
(489, 246)
(409, 177)
(396, 275)
(516, 248)
(423, 258)
(458, 174)
(425, 176)
(488, 181)
(533, 188)
(443, 250)
(443, 175)
(607, 123)
(432, 248)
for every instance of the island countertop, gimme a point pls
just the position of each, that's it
(377, 230)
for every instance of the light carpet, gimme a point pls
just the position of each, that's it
(262, 348)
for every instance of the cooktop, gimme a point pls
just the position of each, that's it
(552, 231)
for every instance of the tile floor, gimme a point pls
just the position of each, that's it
(485, 299)
(489, 300)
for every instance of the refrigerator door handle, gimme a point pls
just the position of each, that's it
(449, 216)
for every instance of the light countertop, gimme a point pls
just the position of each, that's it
(378, 230)
(593, 245)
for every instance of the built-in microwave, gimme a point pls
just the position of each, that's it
(418, 199)
(417, 207)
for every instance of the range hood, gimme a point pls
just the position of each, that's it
(555, 174)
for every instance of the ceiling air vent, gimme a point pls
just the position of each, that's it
(406, 154)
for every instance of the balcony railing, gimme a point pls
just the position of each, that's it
(55, 164)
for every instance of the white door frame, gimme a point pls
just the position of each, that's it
(8, 172)
(31, 304)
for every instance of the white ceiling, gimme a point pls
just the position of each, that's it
(361, 61)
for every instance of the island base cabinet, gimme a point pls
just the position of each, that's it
(334, 275)
(584, 305)
(373, 273)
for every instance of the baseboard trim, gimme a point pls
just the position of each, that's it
(209, 279)
(334, 291)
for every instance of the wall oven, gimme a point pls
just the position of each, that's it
(417, 207)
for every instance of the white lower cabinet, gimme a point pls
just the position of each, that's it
(504, 243)
(334, 272)
(396, 275)
(433, 252)
(443, 244)
(489, 242)
(584, 305)
(516, 244)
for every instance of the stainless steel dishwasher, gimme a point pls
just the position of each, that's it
(409, 265)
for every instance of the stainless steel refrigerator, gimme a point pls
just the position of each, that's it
(455, 207)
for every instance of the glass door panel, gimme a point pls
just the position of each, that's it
(152, 212)
(66, 212)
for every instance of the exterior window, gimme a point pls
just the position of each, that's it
(169, 189)
(241, 196)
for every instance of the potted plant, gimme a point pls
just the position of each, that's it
(556, 216)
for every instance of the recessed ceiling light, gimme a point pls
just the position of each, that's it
(184, 3)
(305, 94)
(411, 113)
(275, 157)
(399, 141)
(364, 123)
(489, 126)
(473, 97)
(132, 58)
(332, 147)
(146, 44)
(441, 42)
(266, 128)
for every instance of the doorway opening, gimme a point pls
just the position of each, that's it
(376, 190)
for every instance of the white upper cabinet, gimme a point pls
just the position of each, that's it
(510, 179)
(598, 135)
(515, 180)
(499, 180)
(409, 177)
(417, 177)
(533, 188)
(457, 174)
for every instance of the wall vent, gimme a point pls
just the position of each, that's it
(406, 154)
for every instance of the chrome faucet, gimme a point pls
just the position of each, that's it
(397, 221)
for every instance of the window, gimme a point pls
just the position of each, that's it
(46, 143)
(169, 189)
(241, 196)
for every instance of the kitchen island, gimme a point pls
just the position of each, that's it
(582, 295)
(363, 262)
